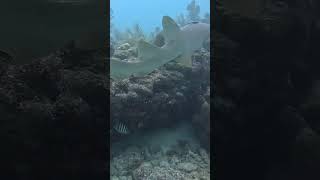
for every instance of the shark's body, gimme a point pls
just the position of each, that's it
(35, 28)
(180, 43)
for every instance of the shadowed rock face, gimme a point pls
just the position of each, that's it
(265, 111)
(57, 99)
(35, 28)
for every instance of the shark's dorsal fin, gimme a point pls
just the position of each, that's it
(170, 29)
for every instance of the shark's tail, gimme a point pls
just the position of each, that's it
(171, 50)
(148, 52)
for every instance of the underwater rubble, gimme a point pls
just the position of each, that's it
(181, 161)
(266, 106)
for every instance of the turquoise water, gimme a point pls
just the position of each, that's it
(148, 13)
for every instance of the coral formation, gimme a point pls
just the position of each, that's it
(193, 10)
(182, 159)
(162, 97)
(53, 111)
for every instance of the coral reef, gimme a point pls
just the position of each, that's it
(125, 52)
(201, 121)
(163, 97)
(130, 35)
(53, 115)
(193, 10)
(158, 101)
(183, 159)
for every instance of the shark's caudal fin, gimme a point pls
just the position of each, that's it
(172, 34)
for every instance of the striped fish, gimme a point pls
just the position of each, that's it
(121, 128)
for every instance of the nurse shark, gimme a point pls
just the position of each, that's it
(180, 43)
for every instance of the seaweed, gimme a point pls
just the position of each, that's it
(130, 35)
(193, 11)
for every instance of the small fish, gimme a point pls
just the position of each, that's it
(121, 128)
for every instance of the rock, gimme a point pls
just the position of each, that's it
(146, 171)
(122, 54)
(162, 94)
(114, 178)
(143, 171)
(5, 59)
(204, 155)
(124, 46)
(128, 160)
(111, 51)
(187, 167)
(159, 40)
(164, 164)
(201, 123)
(90, 86)
(42, 102)
(166, 173)
(133, 51)
(125, 178)
(158, 166)
(253, 85)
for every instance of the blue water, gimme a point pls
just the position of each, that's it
(148, 13)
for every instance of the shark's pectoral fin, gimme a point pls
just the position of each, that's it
(185, 60)
(146, 50)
